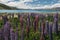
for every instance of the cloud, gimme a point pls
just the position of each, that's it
(21, 4)
(24, 6)
(4, 1)
(11, 4)
(27, 0)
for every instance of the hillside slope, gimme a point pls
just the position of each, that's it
(2, 6)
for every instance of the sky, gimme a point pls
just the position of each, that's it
(32, 4)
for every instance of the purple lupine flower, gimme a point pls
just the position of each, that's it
(1, 34)
(12, 34)
(42, 36)
(5, 19)
(28, 25)
(6, 31)
(42, 17)
(22, 28)
(32, 14)
(16, 34)
(42, 28)
(28, 20)
(42, 31)
(22, 34)
(21, 22)
(35, 26)
(36, 23)
(50, 31)
(47, 27)
(56, 23)
(1, 31)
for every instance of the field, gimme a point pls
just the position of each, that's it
(27, 26)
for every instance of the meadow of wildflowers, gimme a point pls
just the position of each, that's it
(30, 26)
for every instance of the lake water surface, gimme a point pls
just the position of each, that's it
(28, 10)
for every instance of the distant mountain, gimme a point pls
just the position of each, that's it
(3, 6)
(56, 8)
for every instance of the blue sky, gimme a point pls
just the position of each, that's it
(32, 4)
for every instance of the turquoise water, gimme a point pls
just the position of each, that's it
(28, 10)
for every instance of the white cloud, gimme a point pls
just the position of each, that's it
(56, 5)
(27, 0)
(21, 4)
(11, 4)
(24, 6)
(4, 1)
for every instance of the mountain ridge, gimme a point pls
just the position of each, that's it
(5, 7)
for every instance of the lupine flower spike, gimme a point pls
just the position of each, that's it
(50, 31)
(56, 23)
(22, 28)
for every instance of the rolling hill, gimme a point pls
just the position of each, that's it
(5, 7)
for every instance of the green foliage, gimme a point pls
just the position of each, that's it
(32, 34)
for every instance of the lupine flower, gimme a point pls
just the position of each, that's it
(5, 19)
(6, 31)
(1, 34)
(42, 36)
(47, 26)
(50, 31)
(21, 21)
(16, 34)
(22, 34)
(35, 26)
(32, 15)
(12, 34)
(43, 27)
(36, 22)
(28, 25)
(42, 17)
(43, 30)
(56, 23)
(22, 28)
(28, 20)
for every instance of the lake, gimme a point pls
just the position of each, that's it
(28, 10)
